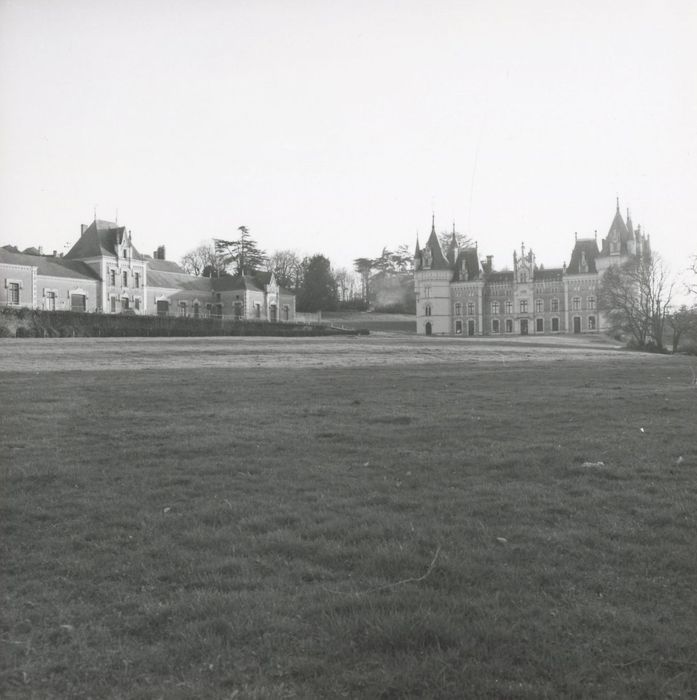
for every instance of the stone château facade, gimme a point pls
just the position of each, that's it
(459, 294)
(103, 272)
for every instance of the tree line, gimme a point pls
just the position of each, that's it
(317, 285)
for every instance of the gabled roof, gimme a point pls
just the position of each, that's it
(178, 280)
(165, 266)
(50, 266)
(237, 282)
(584, 249)
(99, 238)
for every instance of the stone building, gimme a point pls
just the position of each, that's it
(104, 272)
(457, 293)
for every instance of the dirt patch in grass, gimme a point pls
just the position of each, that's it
(234, 530)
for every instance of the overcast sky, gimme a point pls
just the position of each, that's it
(338, 127)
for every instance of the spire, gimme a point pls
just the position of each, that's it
(433, 223)
(417, 250)
(618, 205)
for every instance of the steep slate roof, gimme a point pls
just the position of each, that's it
(471, 259)
(99, 238)
(624, 234)
(589, 246)
(551, 273)
(238, 282)
(50, 266)
(438, 261)
(165, 266)
(179, 280)
(506, 276)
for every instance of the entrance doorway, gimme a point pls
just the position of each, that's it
(470, 327)
(577, 324)
(523, 326)
(429, 329)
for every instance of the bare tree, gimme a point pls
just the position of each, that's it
(445, 238)
(345, 284)
(201, 259)
(635, 298)
(287, 268)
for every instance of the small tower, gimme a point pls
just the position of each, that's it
(432, 277)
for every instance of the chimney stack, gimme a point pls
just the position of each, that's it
(83, 228)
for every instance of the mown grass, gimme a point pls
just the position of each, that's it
(391, 532)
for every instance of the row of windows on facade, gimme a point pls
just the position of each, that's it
(539, 325)
(77, 301)
(124, 278)
(507, 307)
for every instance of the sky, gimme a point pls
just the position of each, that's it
(341, 127)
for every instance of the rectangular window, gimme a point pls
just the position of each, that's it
(112, 278)
(509, 307)
(13, 293)
(182, 308)
(494, 308)
(257, 310)
(591, 323)
(136, 303)
(458, 327)
(78, 302)
(540, 325)
(576, 303)
(162, 308)
(458, 309)
(124, 304)
(555, 305)
(591, 303)
(523, 306)
(113, 305)
(495, 327)
(555, 324)
(538, 306)
(470, 309)
(124, 278)
(509, 325)
(136, 280)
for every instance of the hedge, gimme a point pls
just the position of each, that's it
(34, 323)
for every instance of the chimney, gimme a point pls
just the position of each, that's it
(490, 262)
(83, 228)
(41, 250)
(160, 252)
(55, 253)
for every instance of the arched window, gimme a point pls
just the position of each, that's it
(427, 310)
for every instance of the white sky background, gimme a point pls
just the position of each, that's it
(337, 127)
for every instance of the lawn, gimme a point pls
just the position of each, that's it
(362, 518)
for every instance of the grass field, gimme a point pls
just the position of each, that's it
(362, 518)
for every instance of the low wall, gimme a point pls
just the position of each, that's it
(34, 323)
